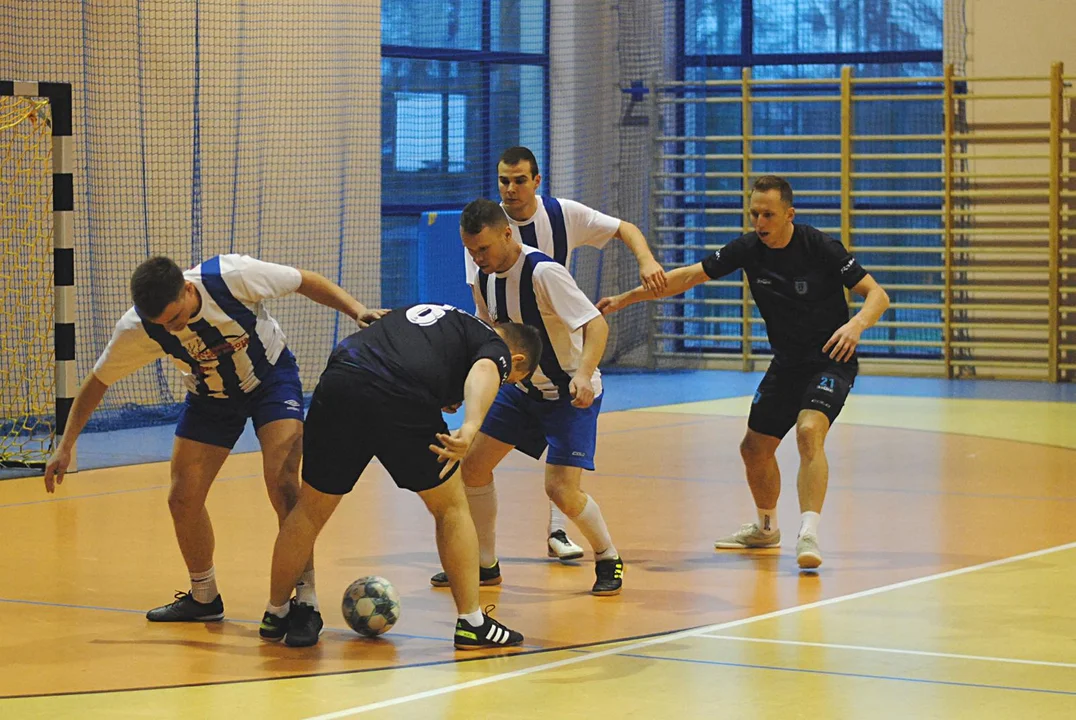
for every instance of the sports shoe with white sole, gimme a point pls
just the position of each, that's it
(562, 548)
(808, 556)
(749, 536)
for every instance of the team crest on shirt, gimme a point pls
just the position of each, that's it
(800, 285)
(229, 345)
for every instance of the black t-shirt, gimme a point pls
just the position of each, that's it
(420, 355)
(799, 289)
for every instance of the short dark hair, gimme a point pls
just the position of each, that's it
(482, 213)
(523, 339)
(156, 284)
(773, 182)
(518, 154)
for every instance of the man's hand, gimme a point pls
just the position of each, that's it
(609, 305)
(369, 317)
(844, 341)
(455, 446)
(582, 391)
(652, 275)
(55, 469)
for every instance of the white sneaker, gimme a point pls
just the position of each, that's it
(808, 556)
(747, 537)
(562, 548)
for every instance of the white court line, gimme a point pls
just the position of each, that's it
(924, 653)
(673, 637)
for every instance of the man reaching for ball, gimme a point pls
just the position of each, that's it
(381, 395)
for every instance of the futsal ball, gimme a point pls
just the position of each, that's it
(371, 606)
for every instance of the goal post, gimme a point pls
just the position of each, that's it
(37, 201)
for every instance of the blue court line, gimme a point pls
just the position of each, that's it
(65, 498)
(69, 606)
(834, 673)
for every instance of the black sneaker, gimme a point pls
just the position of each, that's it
(609, 574)
(491, 634)
(274, 628)
(486, 576)
(304, 626)
(187, 609)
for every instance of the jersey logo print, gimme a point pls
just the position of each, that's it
(801, 286)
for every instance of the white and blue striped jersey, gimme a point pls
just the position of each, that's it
(538, 291)
(557, 228)
(228, 347)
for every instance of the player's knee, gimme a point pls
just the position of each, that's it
(753, 450)
(284, 496)
(810, 437)
(475, 474)
(184, 505)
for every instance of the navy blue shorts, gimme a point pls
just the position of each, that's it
(220, 421)
(530, 425)
(786, 390)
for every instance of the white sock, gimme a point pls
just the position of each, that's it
(204, 586)
(483, 502)
(767, 521)
(473, 619)
(304, 590)
(591, 523)
(557, 519)
(809, 523)
(280, 611)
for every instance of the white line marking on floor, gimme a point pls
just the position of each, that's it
(895, 651)
(673, 637)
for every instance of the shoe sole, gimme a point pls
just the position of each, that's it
(606, 593)
(487, 647)
(569, 556)
(737, 546)
(304, 644)
(270, 639)
(204, 618)
(483, 583)
(809, 561)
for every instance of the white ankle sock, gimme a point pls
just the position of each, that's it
(204, 586)
(474, 619)
(305, 592)
(281, 611)
(483, 503)
(591, 523)
(767, 520)
(557, 519)
(809, 523)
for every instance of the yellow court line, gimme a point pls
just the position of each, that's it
(673, 637)
(894, 651)
(1040, 423)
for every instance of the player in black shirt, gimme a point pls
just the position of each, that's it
(381, 394)
(797, 276)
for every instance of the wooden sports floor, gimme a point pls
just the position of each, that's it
(948, 588)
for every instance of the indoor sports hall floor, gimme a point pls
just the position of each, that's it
(948, 588)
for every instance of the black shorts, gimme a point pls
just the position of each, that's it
(350, 422)
(786, 390)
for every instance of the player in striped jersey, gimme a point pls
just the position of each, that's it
(212, 322)
(558, 226)
(558, 407)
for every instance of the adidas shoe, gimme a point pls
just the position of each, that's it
(491, 634)
(808, 556)
(486, 576)
(562, 548)
(186, 609)
(609, 574)
(274, 628)
(304, 626)
(747, 537)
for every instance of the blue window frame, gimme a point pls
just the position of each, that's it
(795, 39)
(468, 81)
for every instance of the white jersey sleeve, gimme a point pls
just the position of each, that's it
(252, 281)
(556, 291)
(129, 349)
(471, 268)
(587, 226)
(481, 311)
